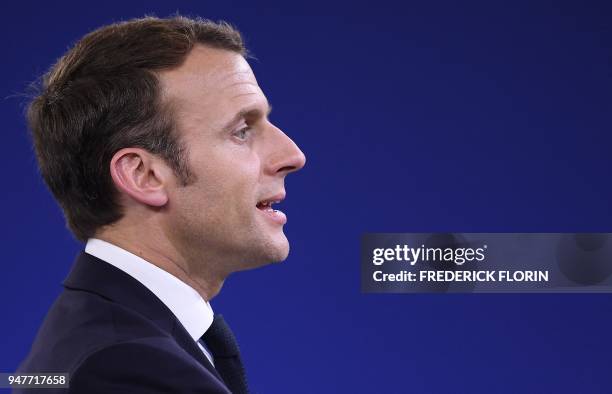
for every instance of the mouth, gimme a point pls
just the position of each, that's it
(266, 208)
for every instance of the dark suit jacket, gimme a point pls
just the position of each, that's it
(112, 335)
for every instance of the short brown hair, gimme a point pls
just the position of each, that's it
(102, 96)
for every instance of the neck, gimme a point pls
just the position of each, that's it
(159, 252)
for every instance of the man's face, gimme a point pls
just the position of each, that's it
(238, 160)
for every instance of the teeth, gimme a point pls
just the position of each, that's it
(268, 203)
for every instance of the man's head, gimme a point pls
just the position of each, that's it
(160, 123)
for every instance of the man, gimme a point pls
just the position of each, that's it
(153, 135)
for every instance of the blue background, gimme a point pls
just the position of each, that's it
(415, 117)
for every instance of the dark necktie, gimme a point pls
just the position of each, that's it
(221, 342)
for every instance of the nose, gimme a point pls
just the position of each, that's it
(285, 156)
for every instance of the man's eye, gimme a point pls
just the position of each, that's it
(243, 133)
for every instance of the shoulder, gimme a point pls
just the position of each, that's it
(79, 323)
(142, 366)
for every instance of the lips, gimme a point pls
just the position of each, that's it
(266, 203)
(266, 207)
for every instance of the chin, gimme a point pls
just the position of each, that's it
(280, 255)
(277, 250)
(269, 251)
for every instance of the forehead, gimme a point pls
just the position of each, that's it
(211, 79)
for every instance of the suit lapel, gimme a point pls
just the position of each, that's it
(94, 275)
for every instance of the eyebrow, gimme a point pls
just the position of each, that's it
(248, 112)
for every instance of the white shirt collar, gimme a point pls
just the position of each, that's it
(194, 313)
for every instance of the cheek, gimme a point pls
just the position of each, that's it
(232, 184)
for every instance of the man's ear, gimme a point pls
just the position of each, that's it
(141, 175)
